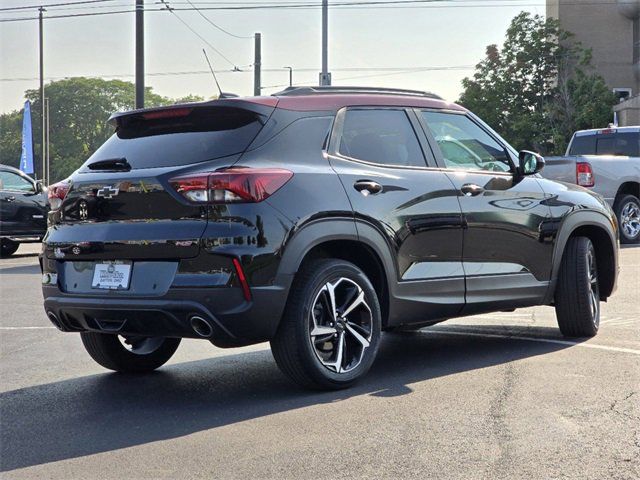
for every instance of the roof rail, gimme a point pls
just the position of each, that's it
(295, 91)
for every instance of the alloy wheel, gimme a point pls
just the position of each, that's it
(630, 219)
(341, 325)
(594, 289)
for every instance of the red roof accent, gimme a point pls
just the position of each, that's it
(267, 101)
(327, 101)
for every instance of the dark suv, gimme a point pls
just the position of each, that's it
(313, 219)
(23, 210)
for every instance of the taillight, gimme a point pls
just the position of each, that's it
(584, 175)
(234, 185)
(56, 194)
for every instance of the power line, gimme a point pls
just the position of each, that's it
(341, 5)
(36, 7)
(170, 9)
(300, 5)
(216, 25)
(400, 72)
(393, 70)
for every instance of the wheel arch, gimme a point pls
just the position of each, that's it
(602, 231)
(628, 188)
(362, 246)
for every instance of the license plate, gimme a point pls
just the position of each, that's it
(111, 275)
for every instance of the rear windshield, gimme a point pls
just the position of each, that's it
(616, 144)
(201, 135)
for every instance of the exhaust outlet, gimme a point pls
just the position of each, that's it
(201, 326)
(54, 319)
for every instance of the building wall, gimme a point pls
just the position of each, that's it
(628, 112)
(607, 32)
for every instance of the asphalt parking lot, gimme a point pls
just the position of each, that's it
(491, 396)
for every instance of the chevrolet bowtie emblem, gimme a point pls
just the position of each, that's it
(107, 192)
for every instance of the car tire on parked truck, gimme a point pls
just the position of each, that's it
(627, 210)
(8, 248)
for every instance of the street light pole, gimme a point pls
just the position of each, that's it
(325, 76)
(139, 53)
(42, 115)
(290, 75)
(257, 64)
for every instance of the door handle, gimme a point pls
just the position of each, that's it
(367, 187)
(471, 189)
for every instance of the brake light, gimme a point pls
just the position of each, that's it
(56, 194)
(584, 174)
(234, 185)
(169, 113)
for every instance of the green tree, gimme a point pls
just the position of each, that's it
(79, 108)
(538, 89)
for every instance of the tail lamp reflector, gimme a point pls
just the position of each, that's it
(234, 185)
(243, 279)
(584, 174)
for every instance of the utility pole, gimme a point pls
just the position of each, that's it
(139, 53)
(257, 65)
(290, 75)
(42, 116)
(325, 76)
(47, 178)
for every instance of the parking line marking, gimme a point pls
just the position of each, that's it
(534, 339)
(26, 328)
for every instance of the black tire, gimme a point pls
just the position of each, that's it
(108, 351)
(577, 298)
(302, 356)
(627, 209)
(8, 248)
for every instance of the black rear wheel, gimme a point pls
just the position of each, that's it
(330, 331)
(8, 248)
(131, 354)
(577, 299)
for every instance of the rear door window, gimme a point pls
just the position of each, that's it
(201, 135)
(382, 136)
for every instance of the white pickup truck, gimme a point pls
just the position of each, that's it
(606, 161)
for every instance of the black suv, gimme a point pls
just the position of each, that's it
(23, 210)
(314, 219)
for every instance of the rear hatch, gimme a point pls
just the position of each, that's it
(121, 205)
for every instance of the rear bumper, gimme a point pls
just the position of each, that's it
(232, 320)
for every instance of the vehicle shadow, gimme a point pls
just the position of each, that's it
(20, 270)
(100, 413)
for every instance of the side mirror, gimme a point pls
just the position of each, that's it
(530, 162)
(38, 186)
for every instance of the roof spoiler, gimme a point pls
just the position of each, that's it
(258, 105)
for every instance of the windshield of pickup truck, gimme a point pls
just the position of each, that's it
(625, 144)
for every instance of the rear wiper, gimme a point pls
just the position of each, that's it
(119, 164)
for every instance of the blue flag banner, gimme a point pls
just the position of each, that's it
(26, 159)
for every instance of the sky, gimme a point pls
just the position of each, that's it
(426, 46)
